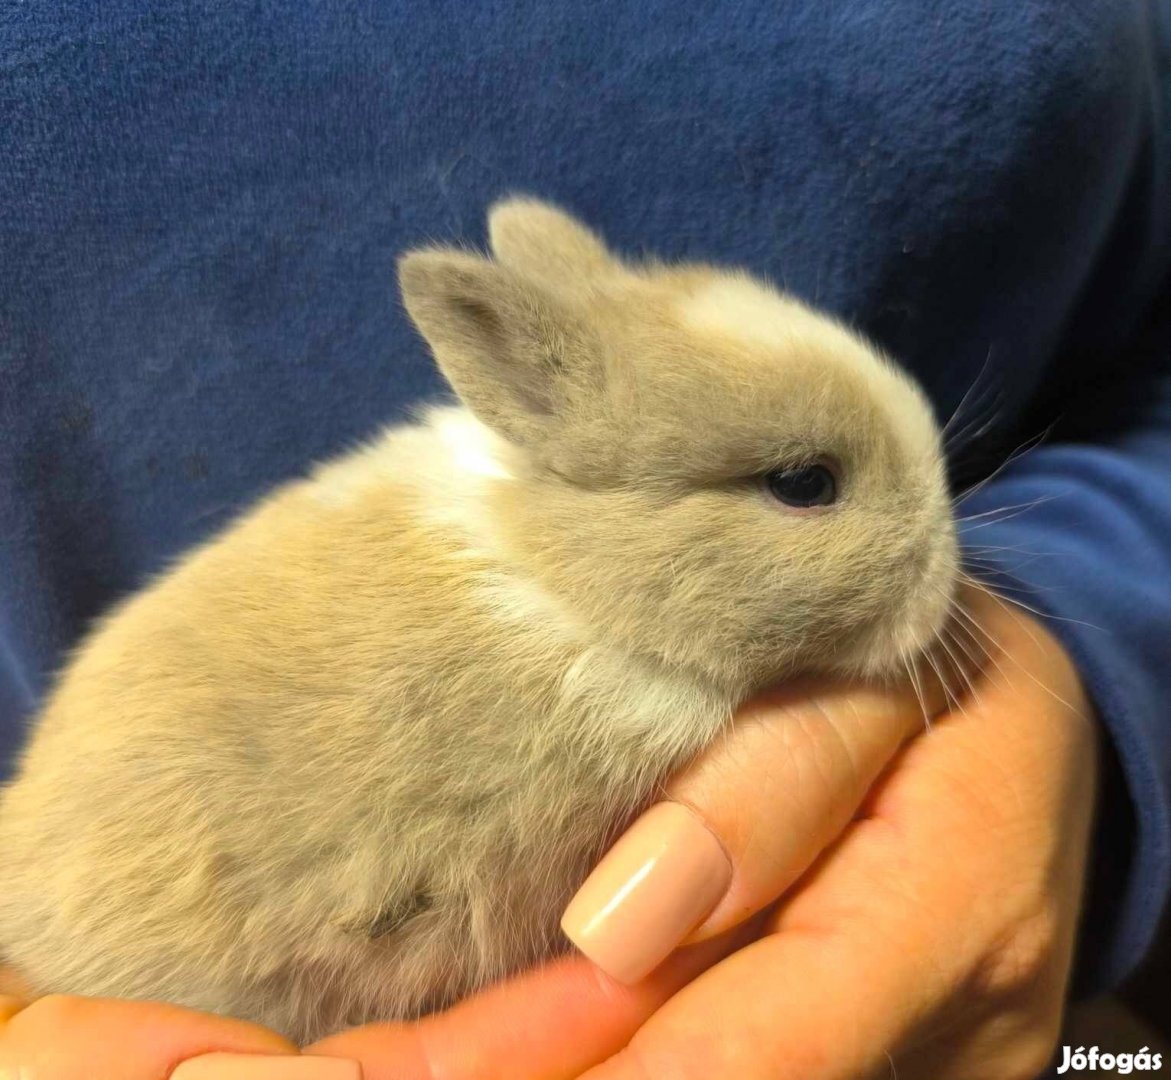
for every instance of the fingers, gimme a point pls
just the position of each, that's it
(741, 824)
(803, 1005)
(934, 939)
(549, 1024)
(788, 781)
(838, 985)
(61, 1038)
(825, 996)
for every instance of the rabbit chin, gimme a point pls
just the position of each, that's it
(887, 648)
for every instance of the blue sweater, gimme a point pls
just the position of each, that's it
(200, 210)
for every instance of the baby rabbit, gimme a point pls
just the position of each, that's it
(349, 760)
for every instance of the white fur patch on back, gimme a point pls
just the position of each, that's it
(450, 459)
(473, 446)
(449, 454)
(471, 457)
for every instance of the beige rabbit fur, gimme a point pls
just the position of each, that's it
(350, 759)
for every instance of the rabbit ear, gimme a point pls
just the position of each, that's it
(510, 348)
(544, 242)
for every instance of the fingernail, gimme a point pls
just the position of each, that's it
(653, 887)
(266, 1067)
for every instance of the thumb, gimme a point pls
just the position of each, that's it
(741, 823)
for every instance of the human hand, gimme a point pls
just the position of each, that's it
(931, 941)
(76, 1038)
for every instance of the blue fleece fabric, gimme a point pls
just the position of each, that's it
(200, 207)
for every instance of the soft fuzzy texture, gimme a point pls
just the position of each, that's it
(200, 211)
(350, 760)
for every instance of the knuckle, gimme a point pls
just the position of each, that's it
(1022, 960)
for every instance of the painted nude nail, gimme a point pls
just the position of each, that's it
(266, 1067)
(653, 888)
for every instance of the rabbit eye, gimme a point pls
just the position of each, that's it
(809, 485)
